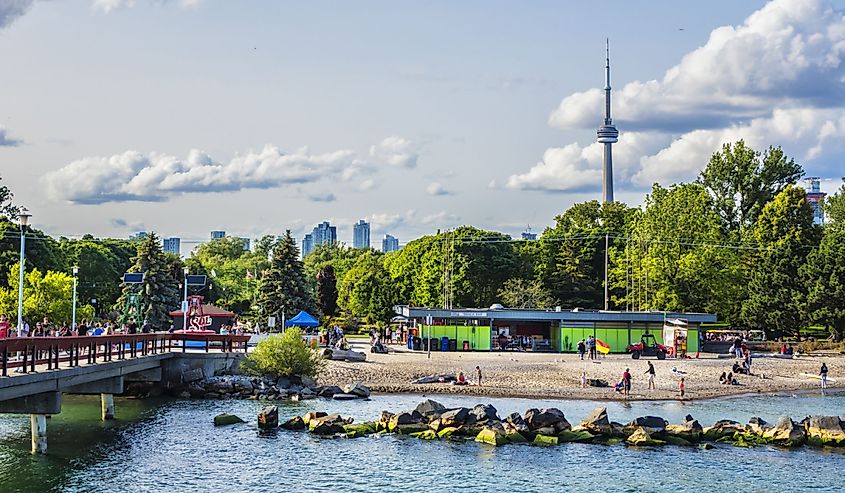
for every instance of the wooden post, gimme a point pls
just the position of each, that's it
(107, 405)
(38, 423)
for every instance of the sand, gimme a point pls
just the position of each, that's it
(544, 375)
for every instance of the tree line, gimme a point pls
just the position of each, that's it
(739, 242)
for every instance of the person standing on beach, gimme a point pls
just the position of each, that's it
(650, 372)
(681, 387)
(582, 348)
(478, 374)
(823, 374)
(626, 382)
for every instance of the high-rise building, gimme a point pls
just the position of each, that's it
(389, 244)
(323, 234)
(138, 236)
(247, 243)
(607, 135)
(814, 197)
(361, 234)
(528, 235)
(172, 245)
(218, 235)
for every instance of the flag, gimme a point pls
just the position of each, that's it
(602, 347)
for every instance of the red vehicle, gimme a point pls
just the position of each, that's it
(648, 346)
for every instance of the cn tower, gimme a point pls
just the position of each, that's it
(607, 134)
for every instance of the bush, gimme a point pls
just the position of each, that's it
(284, 355)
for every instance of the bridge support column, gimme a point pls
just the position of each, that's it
(39, 433)
(107, 404)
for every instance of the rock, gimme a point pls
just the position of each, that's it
(192, 375)
(546, 430)
(306, 395)
(482, 413)
(757, 425)
(673, 440)
(706, 446)
(722, 429)
(785, 433)
(312, 415)
(642, 438)
(492, 436)
(329, 391)
(343, 355)
(597, 423)
(405, 419)
(184, 394)
(327, 425)
(825, 430)
(652, 424)
(517, 423)
(358, 389)
(344, 397)
(295, 388)
(409, 428)
(551, 417)
(308, 381)
(211, 395)
(196, 390)
(226, 419)
(282, 383)
(268, 418)
(454, 417)
(294, 423)
(384, 421)
(575, 436)
(546, 440)
(359, 430)
(445, 433)
(425, 435)
(689, 430)
(220, 386)
(429, 408)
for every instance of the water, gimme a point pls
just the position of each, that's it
(171, 445)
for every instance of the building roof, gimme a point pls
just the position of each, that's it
(576, 315)
(207, 309)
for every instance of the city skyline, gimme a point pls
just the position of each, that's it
(453, 116)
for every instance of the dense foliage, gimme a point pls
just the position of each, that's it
(159, 293)
(283, 291)
(283, 355)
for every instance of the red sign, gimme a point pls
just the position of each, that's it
(200, 323)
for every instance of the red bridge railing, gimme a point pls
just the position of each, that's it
(27, 352)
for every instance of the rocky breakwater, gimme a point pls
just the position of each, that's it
(285, 388)
(547, 427)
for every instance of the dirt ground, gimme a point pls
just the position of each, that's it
(544, 375)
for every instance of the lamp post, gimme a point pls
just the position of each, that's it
(185, 300)
(23, 217)
(75, 273)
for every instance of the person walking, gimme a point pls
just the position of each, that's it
(650, 372)
(626, 382)
(478, 375)
(682, 387)
(582, 348)
(823, 375)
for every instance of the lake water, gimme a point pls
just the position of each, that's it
(171, 445)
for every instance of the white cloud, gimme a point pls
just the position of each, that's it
(367, 185)
(12, 9)
(777, 79)
(110, 5)
(329, 197)
(395, 151)
(7, 141)
(436, 188)
(443, 219)
(385, 222)
(155, 177)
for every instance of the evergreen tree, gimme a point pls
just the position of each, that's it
(159, 292)
(327, 291)
(284, 289)
(824, 272)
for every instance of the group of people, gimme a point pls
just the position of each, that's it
(624, 385)
(462, 379)
(587, 346)
(46, 328)
(334, 338)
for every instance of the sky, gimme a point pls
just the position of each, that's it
(186, 116)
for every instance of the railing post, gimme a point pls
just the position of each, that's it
(25, 356)
(5, 361)
(50, 357)
(206, 344)
(32, 361)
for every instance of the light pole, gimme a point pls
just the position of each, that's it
(75, 273)
(23, 217)
(185, 301)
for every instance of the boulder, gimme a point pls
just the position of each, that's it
(690, 430)
(196, 390)
(517, 423)
(546, 430)
(597, 423)
(429, 408)
(786, 433)
(757, 425)
(329, 390)
(192, 375)
(226, 419)
(357, 389)
(406, 420)
(652, 424)
(268, 418)
(327, 425)
(294, 423)
(482, 413)
(283, 383)
(221, 386)
(344, 397)
(307, 417)
(642, 438)
(575, 436)
(722, 429)
(212, 395)
(308, 381)
(454, 417)
(536, 419)
(514, 436)
(447, 432)
(545, 440)
(359, 430)
(425, 435)
(825, 430)
(492, 435)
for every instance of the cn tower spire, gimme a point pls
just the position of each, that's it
(607, 133)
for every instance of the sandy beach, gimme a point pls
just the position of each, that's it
(544, 375)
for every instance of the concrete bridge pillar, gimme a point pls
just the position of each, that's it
(107, 404)
(39, 433)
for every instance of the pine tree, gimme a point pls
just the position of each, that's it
(159, 292)
(327, 291)
(284, 289)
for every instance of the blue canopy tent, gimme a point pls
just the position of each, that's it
(302, 319)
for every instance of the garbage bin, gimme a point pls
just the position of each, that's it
(453, 344)
(417, 344)
(411, 343)
(444, 343)
(466, 345)
(424, 344)
(435, 344)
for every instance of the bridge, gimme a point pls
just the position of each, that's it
(36, 371)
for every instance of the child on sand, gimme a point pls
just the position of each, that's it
(681, 388)
(584, 380)
(478, 375)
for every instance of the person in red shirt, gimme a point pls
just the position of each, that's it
(682, 387)
(4, 327)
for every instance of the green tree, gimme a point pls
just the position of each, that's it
(284, 355)
(159, 292)
(283, 289)
(46, 295)
(834, 208)
(327, 291)
(232, 272)
(784, 234)
(7, 209)
(366, 290)
(824, 273)
(42, 251)
(742, 181)
(522, 293)
(101, 265)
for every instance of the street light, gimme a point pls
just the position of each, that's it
(185, 301)
(75, 273)
(23, 217)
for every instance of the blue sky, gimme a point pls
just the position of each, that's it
(255, 117)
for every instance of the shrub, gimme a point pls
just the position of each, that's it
(283, 355)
